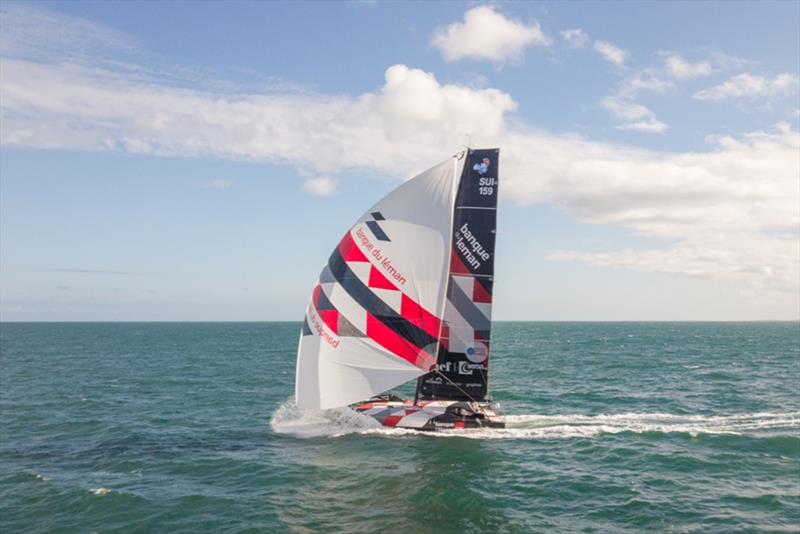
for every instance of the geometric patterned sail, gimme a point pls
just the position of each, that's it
(463, 356)
(375, 314)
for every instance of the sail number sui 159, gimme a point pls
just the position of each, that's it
(486, 186)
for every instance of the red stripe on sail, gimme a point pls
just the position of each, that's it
(349, 249)
(479, 293)
(331, 319)
(419, 316)
(315, 295)
(378, 281)
(456, 265)
(394, 343)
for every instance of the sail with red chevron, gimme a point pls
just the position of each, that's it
(406, 294)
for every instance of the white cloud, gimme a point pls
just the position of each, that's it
(575, 38)
(486, 34)
(321, 186)
(728, 213)
(611, 52)
(644, 80)
(625, 110)
(74, 107)
(623, 106)
(651, 125)
(219, 184)
(682, 69)
(747, 85)
(635, 116)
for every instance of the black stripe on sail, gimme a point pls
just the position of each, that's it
(378, 216)
(323, 302)
(306, 328)
(379, 233)
(374, 305)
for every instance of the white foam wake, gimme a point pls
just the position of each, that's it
(576, 425)
(290, 420)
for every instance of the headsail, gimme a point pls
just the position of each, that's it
(463, 356)
(375, 315)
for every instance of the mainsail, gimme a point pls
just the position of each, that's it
(462, 371)
(375, 319)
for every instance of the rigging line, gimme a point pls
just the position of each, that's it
(455, 385)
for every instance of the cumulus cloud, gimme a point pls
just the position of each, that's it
(321, 186)
(486, 34)
(575, 38)
(750, 86)
(70, 106)
(682, 69)
(611, 52)
(727, 213)
(730, 213)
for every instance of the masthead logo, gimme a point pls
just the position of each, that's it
(481, 167)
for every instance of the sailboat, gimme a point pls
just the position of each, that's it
(407, 294)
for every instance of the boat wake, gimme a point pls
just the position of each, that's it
(762, 424)
(292, 421)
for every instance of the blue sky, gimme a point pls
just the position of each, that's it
(198, 161)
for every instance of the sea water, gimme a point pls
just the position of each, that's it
(189, 427)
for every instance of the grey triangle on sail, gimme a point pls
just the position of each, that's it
(326, 276)
(346, 328)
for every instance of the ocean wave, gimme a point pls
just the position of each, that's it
(290, 420)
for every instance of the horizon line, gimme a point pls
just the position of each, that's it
(217, 321)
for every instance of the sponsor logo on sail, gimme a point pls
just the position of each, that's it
(471, 249)
(482, 167)
(477, 352)
(466, 368)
